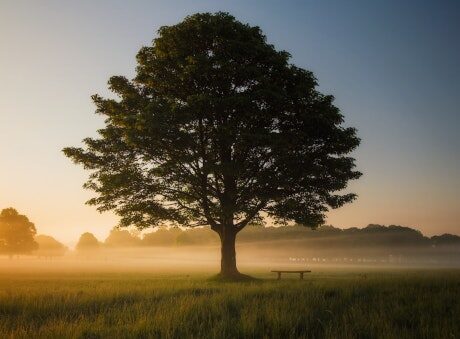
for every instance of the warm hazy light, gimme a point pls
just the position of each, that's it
(217, 127)
(54, 56)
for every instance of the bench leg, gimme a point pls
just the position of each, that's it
(279, 275)
(301, 276)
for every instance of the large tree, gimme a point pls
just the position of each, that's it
(218, 128)
(16, 233)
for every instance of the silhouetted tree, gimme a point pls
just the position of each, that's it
(49, 247)
(446, 240)
(16, 233)
(216, 128)
(87, 243)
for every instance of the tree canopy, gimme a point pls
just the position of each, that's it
(218, 128)
(16, 233)
(87, 243)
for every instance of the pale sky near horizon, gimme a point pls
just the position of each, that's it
(393, 66)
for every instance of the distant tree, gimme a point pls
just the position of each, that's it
(122, 238)
(216, 128)
(49, 247)
(16, 233)
(446, 240)
(87, 243)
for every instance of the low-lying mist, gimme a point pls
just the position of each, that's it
(258, 248)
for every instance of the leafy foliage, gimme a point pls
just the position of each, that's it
(16, 233)
(217, 128)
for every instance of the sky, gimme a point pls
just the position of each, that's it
(393, 67)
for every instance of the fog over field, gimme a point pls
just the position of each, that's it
(258, 249)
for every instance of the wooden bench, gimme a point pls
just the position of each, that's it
(300, 272)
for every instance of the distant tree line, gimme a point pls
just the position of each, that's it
(371, 236)
(18, 237)
(372, 242)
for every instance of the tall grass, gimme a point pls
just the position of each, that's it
(330, 305)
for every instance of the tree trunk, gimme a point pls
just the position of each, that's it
(228, 256)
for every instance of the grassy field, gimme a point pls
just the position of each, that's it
(330, 304)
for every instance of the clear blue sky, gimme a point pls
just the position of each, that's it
(393, 66)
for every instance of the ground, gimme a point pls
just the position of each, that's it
(328, 303)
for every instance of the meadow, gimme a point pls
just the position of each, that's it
(329, 303)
